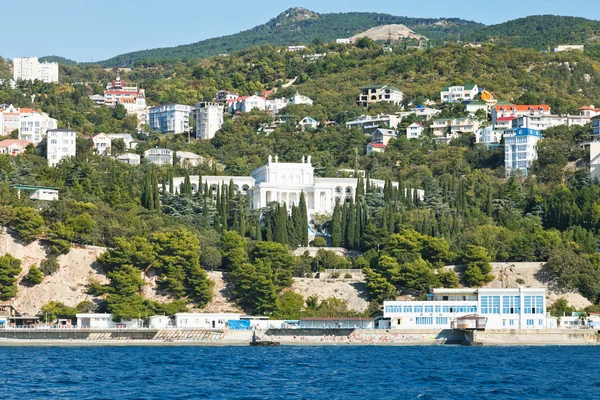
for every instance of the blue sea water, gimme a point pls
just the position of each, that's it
(332, 372)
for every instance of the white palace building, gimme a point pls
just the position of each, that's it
(285, 182)
(520, 308)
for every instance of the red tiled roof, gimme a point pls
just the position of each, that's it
(501, 119)
(10, 142)
(522, 108)
(381, 145)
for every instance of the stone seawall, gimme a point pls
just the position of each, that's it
(537, 336)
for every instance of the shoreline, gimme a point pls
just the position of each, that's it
(283, 343)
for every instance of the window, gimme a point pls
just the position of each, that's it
(441, 320)
(511, 322)
(490, 304)
(418, 309)
(540, 322)
(511, 305)
(534, 304)
(428, 309)
(438, 309)
(424, 320)
(407, 309)
(530, 322)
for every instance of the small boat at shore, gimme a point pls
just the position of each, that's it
(257, 342)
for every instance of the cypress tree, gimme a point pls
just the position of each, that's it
(358, 225)
(302, 210)
(171, 184)
(280, 229)
(344, 224)
(155, 191)
(231, 193)
(351, 226)
(336, 230)
(186, 187)
(268, 228)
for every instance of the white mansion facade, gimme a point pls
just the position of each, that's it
(284, 183)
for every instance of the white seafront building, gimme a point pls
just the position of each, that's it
(520, 308)
(284, 183)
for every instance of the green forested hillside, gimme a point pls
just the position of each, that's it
(470, 213)
(540, 32)
(297, 26)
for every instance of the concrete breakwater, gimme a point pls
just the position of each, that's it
(302, 336)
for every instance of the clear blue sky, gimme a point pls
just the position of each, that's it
(89, 29)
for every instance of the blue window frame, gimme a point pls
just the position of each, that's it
(418, 309)
(407, 309)
(533, 304)
(530, 322)
(511, 305)
(490, 304)
(438, 309)
(424, 320)
(441, 320)
(428, 309)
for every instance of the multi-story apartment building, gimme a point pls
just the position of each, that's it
(209, 118)
(170, 118)
(30, 69)
(116, 90)
(369, 123)
(452, 94)
(512, 110)
(543, 122)
(33, 128)
(61, 144)
(223, 96)
(595, 126)
(520, 149)
(489, 135)
(379, 94)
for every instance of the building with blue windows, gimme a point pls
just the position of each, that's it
(520, 149)
(170, 118)
(520, 308)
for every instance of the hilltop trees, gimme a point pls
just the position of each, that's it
(10, 268)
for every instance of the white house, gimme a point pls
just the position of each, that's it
(136, 106)
(102, 143)
(424, 112)
(276, 105)
(130, 143)
(61, 144)
(296, 48)
(11, 117)
(520, 149)
(129, 158)
(369, 123)
(569, 47)
(105, 321)
(209, 119)
(284, 183)
(543, 122)
(454, 126)
(30, 69)
(379, 94)
(117, 90)
(13, 147)
(512, 110)
(158, 156)
(160, 322)
(308, 123)
(33, 128)
(414, 131)
(170, 118)
(343, 41)
(521, 308)
(452, 94)
(375, 148)
(589, 111)
(488, 135)
(187, 159)
(223, 96)
(204, 320)
(246, 104)
(300, 99)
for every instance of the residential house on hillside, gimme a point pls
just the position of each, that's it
(246, 104)
(136, 106)
(473, 106)
(188, 160)
(129, 158)
(446, 127)
(223, 96)
(13, 147)
(300, 99)
(11, 117)
(276, 105)
(116, 91)
(414, 131)
(308, 123)
(61, 144)
(569, 47)
(595, 159)
(589, 111)
(512, 110)
(520, 149)
(489, 136)
(383, 135)
(130, 143)
(504, 122)
(158, 156)
(458, 93)
(33, 128)
(369, 124)
(424, 112)
(102, 143)
(375, 148)
(379, 94)
(170, 118)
